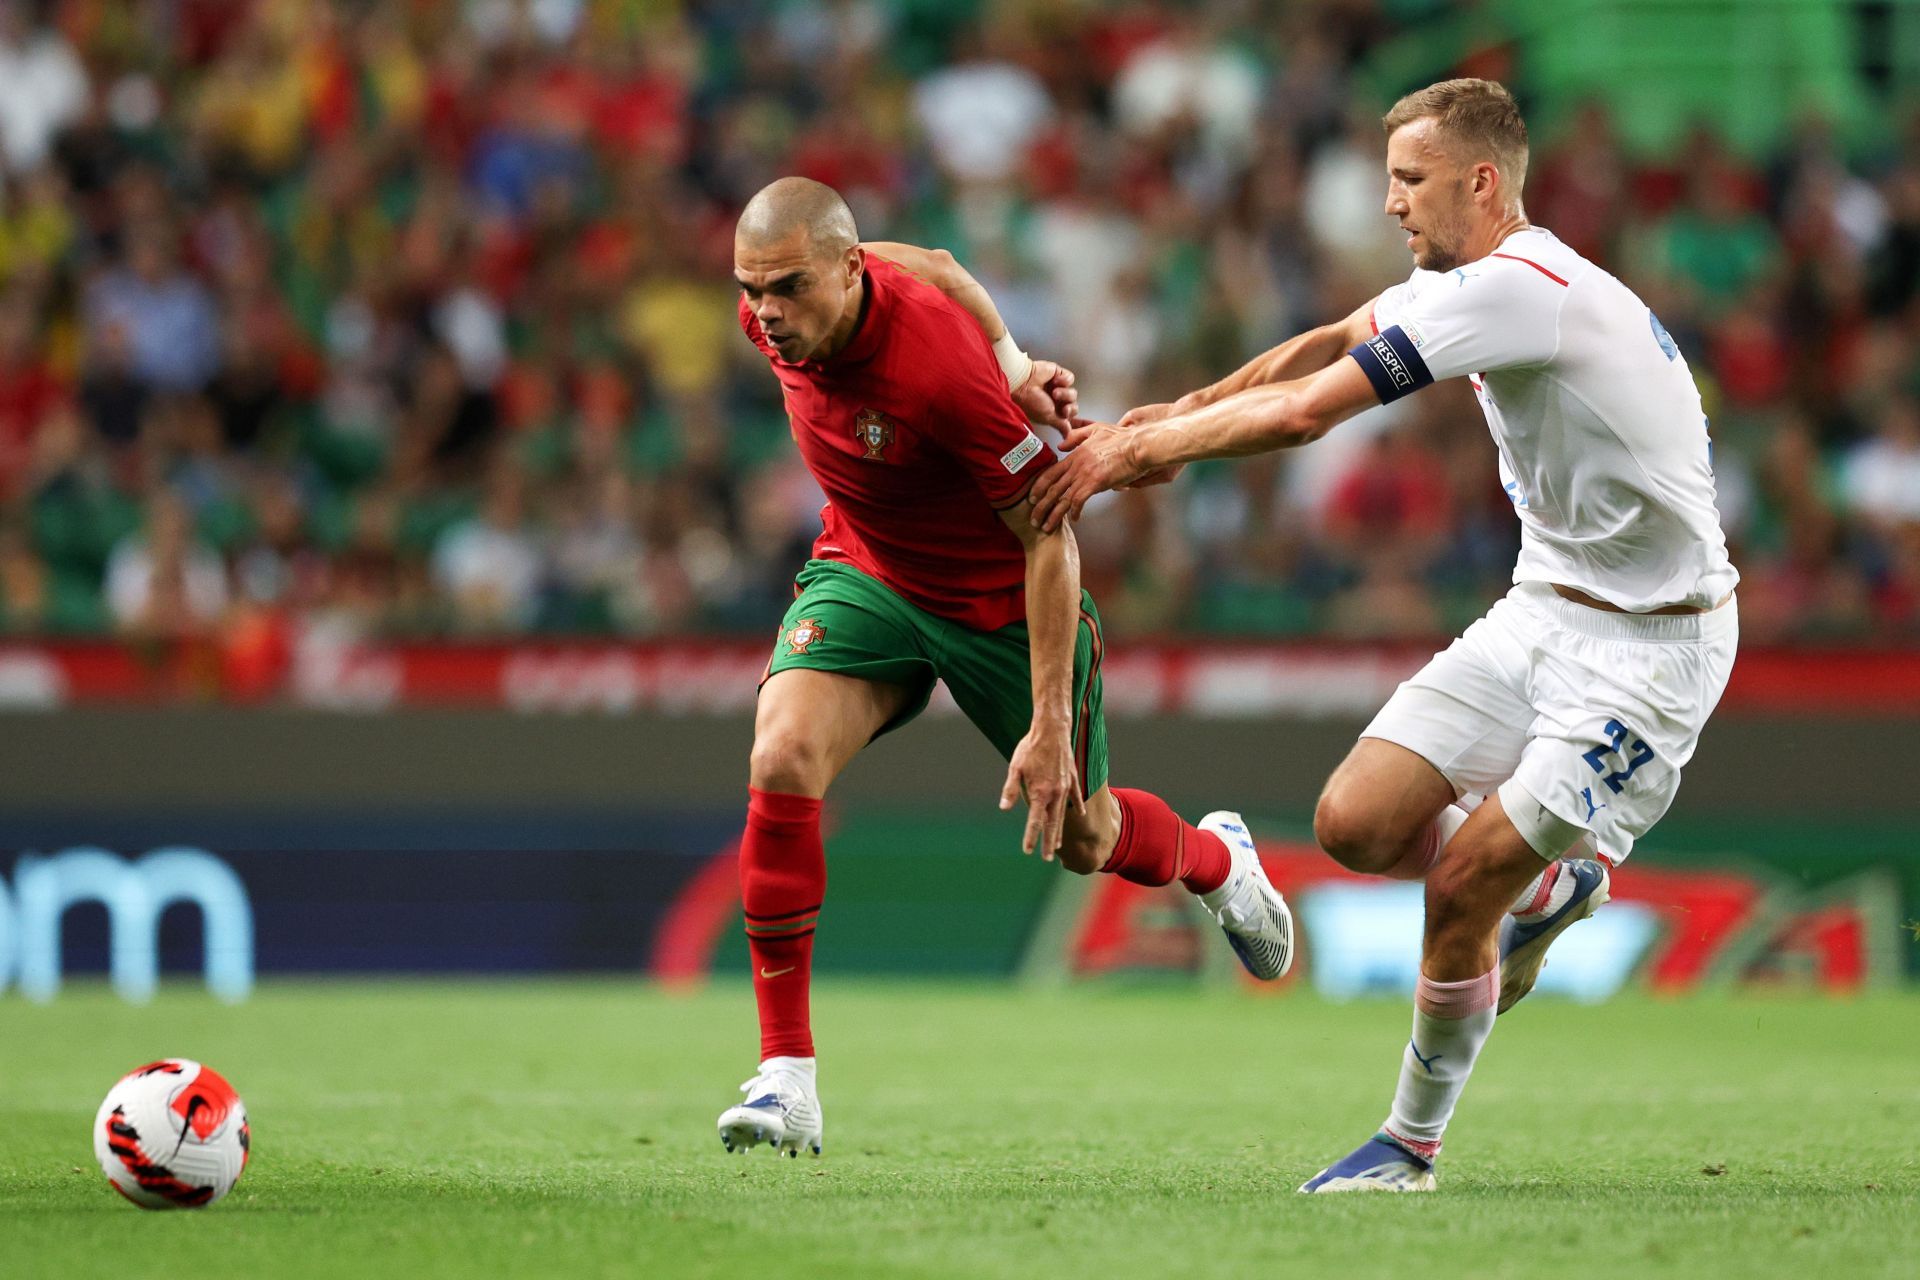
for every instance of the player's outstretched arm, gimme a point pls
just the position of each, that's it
(1296, 358)
(1258, 420)
(1042, 765)
(1043, 389)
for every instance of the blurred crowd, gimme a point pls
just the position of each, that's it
(414, 317)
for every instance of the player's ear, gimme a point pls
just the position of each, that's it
(855, 264)
(1486, 180)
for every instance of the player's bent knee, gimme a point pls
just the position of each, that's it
(1349, 836)
(789, 763)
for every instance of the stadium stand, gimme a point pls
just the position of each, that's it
(415, 319)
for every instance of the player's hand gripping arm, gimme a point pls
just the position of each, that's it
(1042, 765)
(1298, 356)
(1043, 389)
(1258, 420)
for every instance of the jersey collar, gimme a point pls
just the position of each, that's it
(1528, 230)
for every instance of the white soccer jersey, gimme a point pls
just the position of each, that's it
(1603, 443)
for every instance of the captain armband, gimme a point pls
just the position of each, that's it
(1392, 364)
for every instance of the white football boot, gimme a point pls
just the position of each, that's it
(1566, 893)
(1257, 921)
(782, 1109)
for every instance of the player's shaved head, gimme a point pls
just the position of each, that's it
(799, 265)
(792, 206)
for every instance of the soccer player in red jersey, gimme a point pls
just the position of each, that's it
(903, 404)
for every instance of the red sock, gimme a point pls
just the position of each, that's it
(783, 878)
(1156, 847)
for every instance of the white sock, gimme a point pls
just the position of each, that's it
(1419, 860)
(1451, 1020)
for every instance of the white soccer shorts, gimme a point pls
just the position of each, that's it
(1581, 719)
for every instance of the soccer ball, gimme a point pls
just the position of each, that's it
(172, 1135)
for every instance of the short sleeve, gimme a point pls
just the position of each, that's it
(1478, 319)
(983, 429)
(1390, 302)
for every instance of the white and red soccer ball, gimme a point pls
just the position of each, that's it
(172, 1135)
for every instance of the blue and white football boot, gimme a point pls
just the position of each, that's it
(1579, 889)
(782, 1110)
(1257, 920)
(1378, 1164)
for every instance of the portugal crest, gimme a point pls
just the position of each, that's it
(803, 633)
(874, 430)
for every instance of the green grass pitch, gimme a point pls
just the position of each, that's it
(566, 1129)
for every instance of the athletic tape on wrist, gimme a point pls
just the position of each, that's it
(1015, 363)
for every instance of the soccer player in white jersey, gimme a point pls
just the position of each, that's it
(1573, 704)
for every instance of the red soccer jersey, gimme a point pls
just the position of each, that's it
(911, 433)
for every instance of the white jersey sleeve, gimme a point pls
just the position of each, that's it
(1492, 314)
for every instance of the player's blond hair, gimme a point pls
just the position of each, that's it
(1478, 120)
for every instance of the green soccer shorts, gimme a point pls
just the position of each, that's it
(847, 622)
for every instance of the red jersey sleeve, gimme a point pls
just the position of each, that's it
(979, 423)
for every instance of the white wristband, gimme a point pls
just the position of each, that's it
(1015, 363)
